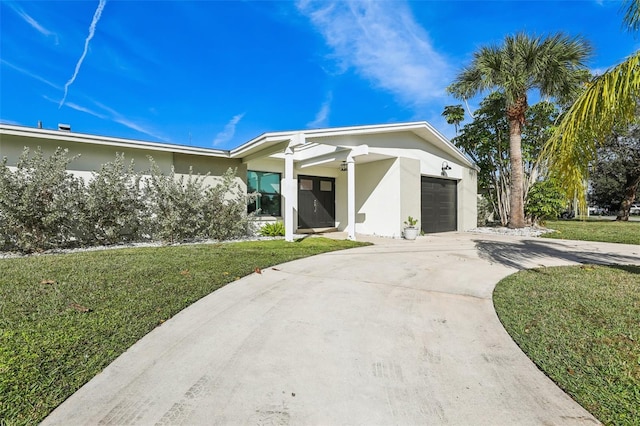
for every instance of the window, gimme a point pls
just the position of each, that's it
(267, 185)
(306, 184)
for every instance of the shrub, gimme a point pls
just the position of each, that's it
(4, 235)
(40, 203)
(272, 229)
(545, 201)
(114, 207)
(226, 210)
(176, 206)
(42, 206)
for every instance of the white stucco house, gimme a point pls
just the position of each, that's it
(360, 179)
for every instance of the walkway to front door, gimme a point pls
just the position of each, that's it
(316, 202)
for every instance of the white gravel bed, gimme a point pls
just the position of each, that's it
(529, 231)
(13, 255)
(498, 230)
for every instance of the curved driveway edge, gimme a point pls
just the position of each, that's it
(400, 332)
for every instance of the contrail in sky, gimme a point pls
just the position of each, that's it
(229, 130)
(92, 30)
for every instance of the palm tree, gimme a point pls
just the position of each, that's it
(553, 65)
(609, 101)
(632, 15)
(454, 114)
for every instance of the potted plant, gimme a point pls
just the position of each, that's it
(411, 230)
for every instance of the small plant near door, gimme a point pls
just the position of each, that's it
(411, 230)
(273, 229)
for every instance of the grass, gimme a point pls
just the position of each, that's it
(64, 318)
(608, 231)
(581, 326)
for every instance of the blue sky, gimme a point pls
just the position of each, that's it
(218, 73)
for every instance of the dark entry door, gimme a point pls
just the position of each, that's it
(316, 202)
(439, 205)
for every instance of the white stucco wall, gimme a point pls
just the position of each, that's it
(430, 160)
(378, 198)
(468, 201)
(410, 189)
(90, 158)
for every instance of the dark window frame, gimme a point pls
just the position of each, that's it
(257, 204)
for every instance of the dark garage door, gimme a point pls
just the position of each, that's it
(439, 205)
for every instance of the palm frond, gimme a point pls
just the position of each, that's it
(632, 15)
(609, 101)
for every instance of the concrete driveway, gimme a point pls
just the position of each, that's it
(396, 333)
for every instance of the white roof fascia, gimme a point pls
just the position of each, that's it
(66, 136)
(251, 149)
(451, 147)
(266, 138)
(421, 128)
(276, 148)
(362, 130)
(257, 143)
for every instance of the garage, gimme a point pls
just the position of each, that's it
(439, 205)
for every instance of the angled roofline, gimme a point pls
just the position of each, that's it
(416, 127)
(66, 136)
(420, 128)
(323, 132)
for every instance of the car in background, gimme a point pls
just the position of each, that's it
(597, 211)
(634, 209)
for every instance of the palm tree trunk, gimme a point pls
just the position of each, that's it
(516, 199)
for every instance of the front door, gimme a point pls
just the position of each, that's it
(316, 202)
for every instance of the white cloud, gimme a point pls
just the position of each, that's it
(85, 109)
(10, 122)
(29, 20)
(229, 130)
(92, 30)
(135, 126)
(384, 44)
(119, 118)
(110, 114)
(30, 74)
(322, 117)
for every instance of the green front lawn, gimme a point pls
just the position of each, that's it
(608, 231)
(581, 326)
(64, 318)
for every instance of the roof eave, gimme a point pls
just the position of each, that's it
(105, 140)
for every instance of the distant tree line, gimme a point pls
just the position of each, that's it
(615, 175)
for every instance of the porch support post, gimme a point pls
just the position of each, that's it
(351, 198)
(289, 193)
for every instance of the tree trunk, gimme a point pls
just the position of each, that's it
(516, 199)
(630, 189)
